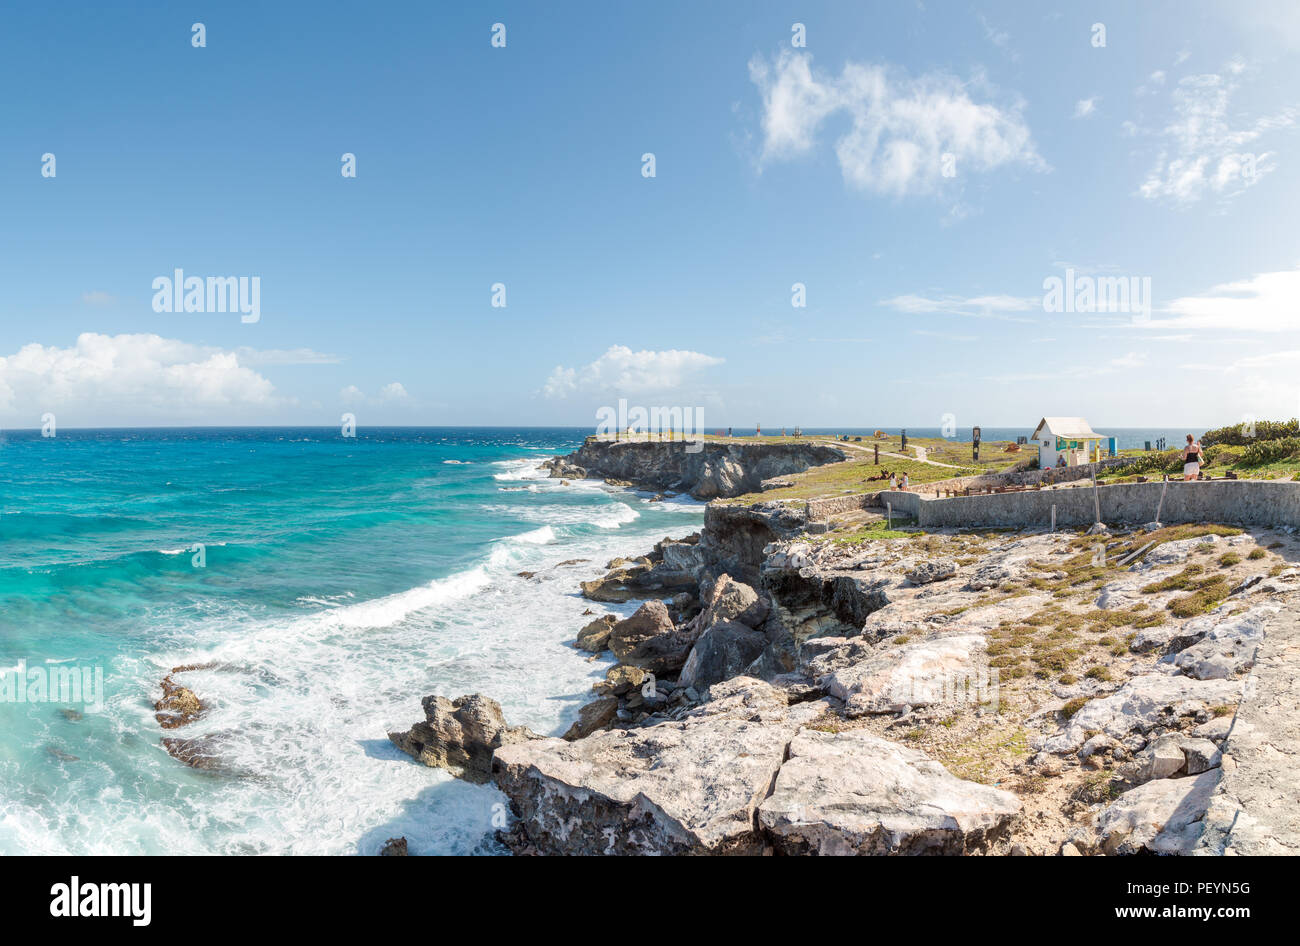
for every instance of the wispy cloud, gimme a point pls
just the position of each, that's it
(900, 128)
(1086, 107)
(279, 356)
(1266, 302)
(977, 307)
(1206, 150)
(625, 371)
(945, 336)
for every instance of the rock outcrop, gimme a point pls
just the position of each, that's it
(722, 652)
(594, 637)
(686, 787)
(943, 668)
(1141, 705)
(649, 639)
(460, 735)
(855, 793)
(707, 470)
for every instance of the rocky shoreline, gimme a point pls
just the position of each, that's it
(946, 692)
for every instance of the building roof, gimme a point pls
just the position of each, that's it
(1070, 428)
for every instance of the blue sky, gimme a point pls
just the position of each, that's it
(1168, 154)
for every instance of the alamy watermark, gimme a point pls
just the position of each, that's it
(53, 683)
(1131, 294)
(651, 423)
(979, 687)
(181, 293)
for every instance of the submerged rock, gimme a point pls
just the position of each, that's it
(460, 735)
(855, 793)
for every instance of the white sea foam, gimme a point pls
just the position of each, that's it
(300, 706)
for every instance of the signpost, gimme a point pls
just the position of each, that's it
(974, 443)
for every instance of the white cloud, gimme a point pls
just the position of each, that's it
(1085, 107)
(391, 393)
(123, 379)
(279, 356)
(96, 297)
(997, 37)
(979, 307)
(1267, 302)
(900, 128)
(624, 371)
(1204, 150)
(1133, 359)
(945, 336)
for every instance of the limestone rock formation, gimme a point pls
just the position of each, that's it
(855, 793)
(685, 787)
(721, 652)
(1141, 705)
(935, 570)
(940, 669)
(460, 735)
(649, 640)
(594, 637)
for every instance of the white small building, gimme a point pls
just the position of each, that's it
(1068, 437)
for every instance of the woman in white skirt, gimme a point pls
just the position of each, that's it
(1191, 459)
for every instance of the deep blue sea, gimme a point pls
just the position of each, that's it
(339, 581)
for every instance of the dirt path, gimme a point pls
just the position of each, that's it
(886, 453)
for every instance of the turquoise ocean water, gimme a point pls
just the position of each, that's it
(343, 580)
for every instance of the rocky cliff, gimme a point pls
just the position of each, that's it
(716, 469)
(944, 692)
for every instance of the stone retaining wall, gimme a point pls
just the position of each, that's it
(1242, 502)
(818, 510)
(1025, 477)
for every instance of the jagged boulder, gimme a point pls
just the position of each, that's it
(594, 637)
(855, 793)
(935, 570)
(721, 652)
(627, 581)
(649, 640)
(594, 716)
(460, 735)
(731, 600)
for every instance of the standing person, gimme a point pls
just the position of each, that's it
(893, 481)
(907, 481)
(1191, 459)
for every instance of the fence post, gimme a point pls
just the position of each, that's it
(1053, 529)
(889, 515)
